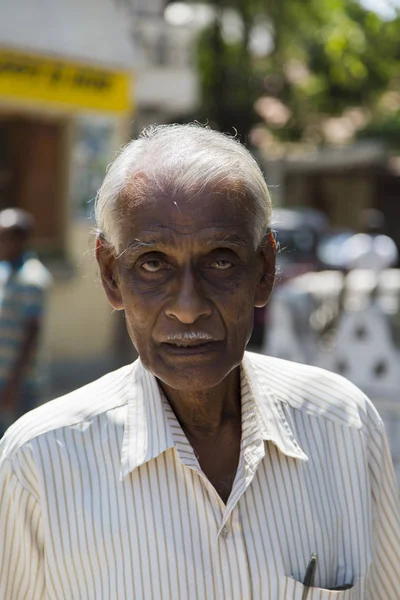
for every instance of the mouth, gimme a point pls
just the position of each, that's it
(189, 343)
(191, 347)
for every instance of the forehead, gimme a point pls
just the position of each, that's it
(198, 216)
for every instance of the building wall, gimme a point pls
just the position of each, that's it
(70, 91)
(80, 321)
(82, 334)
(340, 195)
(166, 78)
(92, 31)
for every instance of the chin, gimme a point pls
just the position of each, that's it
(195, 382)
(194, 376)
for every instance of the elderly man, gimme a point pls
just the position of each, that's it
(198, 472)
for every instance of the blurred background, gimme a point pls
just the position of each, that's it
(312, 87)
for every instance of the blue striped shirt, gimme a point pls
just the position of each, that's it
(22, 295)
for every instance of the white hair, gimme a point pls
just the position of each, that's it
(181, 159)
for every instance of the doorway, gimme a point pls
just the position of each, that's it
(32, 166)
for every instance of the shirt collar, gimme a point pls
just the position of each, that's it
(274, 425)
(147, 433)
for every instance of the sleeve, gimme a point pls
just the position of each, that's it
(384, 580)
(21, 547)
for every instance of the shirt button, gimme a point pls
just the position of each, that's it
(224, 532)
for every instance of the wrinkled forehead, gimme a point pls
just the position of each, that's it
(183, 213)
(143, 187)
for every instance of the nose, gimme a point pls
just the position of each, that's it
(188, 303)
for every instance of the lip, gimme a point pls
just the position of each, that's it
(192, 348)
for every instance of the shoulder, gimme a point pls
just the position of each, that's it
(74, 409)
(315, 391)
(33, 273)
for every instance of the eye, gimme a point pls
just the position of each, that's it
(221, 264)
(152, 266)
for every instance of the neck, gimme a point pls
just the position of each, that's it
(205, 413)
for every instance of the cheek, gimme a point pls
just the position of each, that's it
(140, 298)
(240, 302)
(237, 313)
(136, 290)
(244, 319)
(138, 316)
(244, 313)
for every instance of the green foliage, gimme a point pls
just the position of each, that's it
(386, 128)
(341, 53)
(350, 57)
(228, 85)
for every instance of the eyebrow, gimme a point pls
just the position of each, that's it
(232, 239)
(138, 245)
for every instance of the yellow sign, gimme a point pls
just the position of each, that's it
(54, 81)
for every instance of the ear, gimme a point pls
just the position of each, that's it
(109, 272)
(267, 253)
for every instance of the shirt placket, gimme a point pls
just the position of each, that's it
(231, 537)
(230, 547)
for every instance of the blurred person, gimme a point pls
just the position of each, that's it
(370, 249)
(200, 471)
(23, 280)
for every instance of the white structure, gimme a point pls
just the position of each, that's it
(348, 325)
(89, 31)
(166, 82)
(282, 338)
(65, 109)
(297, 311)
(364, 352)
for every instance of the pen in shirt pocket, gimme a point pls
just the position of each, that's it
(309, 576)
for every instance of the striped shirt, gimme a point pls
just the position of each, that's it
(102, 496)
(22, 296)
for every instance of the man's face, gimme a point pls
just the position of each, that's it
(188, 278)
(11, 244)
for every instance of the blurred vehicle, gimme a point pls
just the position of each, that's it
(329, 251)
(298, 233)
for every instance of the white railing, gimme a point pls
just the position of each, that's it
(350, 326)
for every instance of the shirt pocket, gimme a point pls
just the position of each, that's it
(293, 590)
